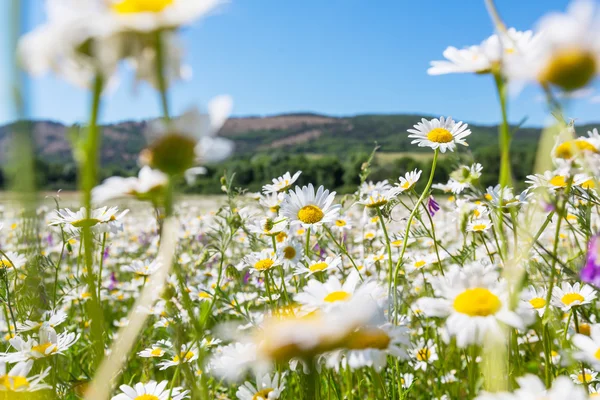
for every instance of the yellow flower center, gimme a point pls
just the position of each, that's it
(371, 338)
(488, 197)
(479, 227)
(203, 295)
(14, 382)
(281, 236)
(597, 354)
(263, 265)
(571, 148)
(375, 202)
(570, 69)
(157, 352)
(570, 298)
(5, 263)
(420, 263)
(289, 252)
(340, 223)
(318, 267)
(537, 302)
(423, 354)
(588, 377)
(589, 184)
(440, 135)
(262, 394)
(558, 181)
(310, 214)
(339, 295)
(139, 6)
(41, 348)
(146, 397)
(186, 357)
(585, 329)
(477, 302)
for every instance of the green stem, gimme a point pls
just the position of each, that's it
(504, 133)
(388, 246)
(407, 231)
(160, 75)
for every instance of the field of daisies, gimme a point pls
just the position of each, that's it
(457, 291)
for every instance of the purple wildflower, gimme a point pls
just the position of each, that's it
(590, 273)
(432, 206)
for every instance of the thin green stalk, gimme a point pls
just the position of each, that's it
(407, 231)
(388, 246)
(160, 75)
(504, 134)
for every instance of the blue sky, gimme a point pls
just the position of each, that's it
(339, 57)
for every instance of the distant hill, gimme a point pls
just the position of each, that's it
(289, 133)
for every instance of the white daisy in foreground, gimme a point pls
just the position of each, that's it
(179, 144)
(486, 56)
(555, 180)
(568, 52)
(531, 387)
(310, 209)
(567, 295)
(266, 388)
(150, 391)
(16, 380)
(585, 376)
(474, 302)
(442, 134)
(148, 185)
(282, 183)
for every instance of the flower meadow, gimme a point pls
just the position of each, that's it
(457, 291)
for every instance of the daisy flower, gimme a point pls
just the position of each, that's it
(568, 52)
(291, 252)
(586, 376)
(150, 391)
(282, 183)
(474, 302)
(569, 295)
(319, 295)
(142, 268)
(187, 354)
(486, 56)
(535, 299)
(417, 262)
(589, 346)
(50, 343)
(148, 185)
(272, 202)
(314, 267)
(11, 259)
(16, 380)
(156, 350)
(423, 353)
(266, 388)
(304, 206)
(442, 134)
(179, 144)
(554, 180)
(268, 226)
(377, 199)
(263, 260)
(408, 181)
(342, 224)
(479, 225)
